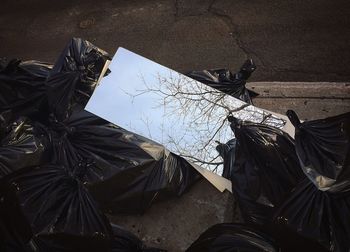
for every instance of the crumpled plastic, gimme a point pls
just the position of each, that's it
(125, 241)
(266, 169)
(319, 215)
(34, 89)
(319, 206)
(231, 237)
(74, 76)
(58, 165)
(20, 147)
(225, 81)
(58, 207)
(15, 231)
(125, 172)
(323, 148)
(227, 152)
(22, 89)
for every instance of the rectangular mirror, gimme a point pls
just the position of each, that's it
(187, 117)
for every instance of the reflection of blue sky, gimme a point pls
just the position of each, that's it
(114, 100)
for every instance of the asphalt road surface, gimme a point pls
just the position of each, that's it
(289, 40)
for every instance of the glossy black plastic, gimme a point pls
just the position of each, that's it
(228, 237)
(323, 148)
(59, 208)
(225, 81)
(266, 170)
(74, 76)
(20, 147)
(124, 171)
(22, 89)
(318, 215)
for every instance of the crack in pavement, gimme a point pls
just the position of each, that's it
(211, 5)
(236, 36)
(205, 12)
(234, 32)
(176, 14)
(229, 22)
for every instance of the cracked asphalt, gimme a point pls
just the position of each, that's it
(289, 40)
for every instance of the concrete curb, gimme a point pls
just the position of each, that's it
(311, 100)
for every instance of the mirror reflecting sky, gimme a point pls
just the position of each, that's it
(184, 115)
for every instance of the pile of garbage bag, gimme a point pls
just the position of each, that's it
(319, 206)
(288, 188)
(62, 168)
(300, 185)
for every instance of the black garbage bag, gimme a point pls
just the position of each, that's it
(15, 231)
(74, 76)
(22, 89)
(233, 237)
(134, 190)
(5, 122)
(319, 215)
(34, 89)
(244, 237)
(125, 172)
(227, 152)
(266, 169)
(60, 210)
(125, 241)
(225, 81)
(323, 148)
(20, 147)
(121, 241)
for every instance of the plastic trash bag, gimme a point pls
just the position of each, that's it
(60, 210)
(15, 231)
(137, 188)
(319, 215)
(5, 122)
(20, 147)
(34, 89)
(22, 89)
(243, 237)
(125, 172)
(51, 207)
(225, 81)
(227, 152)
(74, 76)
(323, 148)
(82, 56)
(320, 205)
(121, 241)
(233, 237)
(266, 169)
(125, 241)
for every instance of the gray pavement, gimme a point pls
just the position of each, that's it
(176, 223)
(289, 40)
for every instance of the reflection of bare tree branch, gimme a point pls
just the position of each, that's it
(265, 117)
(216, 132)
(202, 111)
(239, 108)
(146, 123)
(202, 161)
